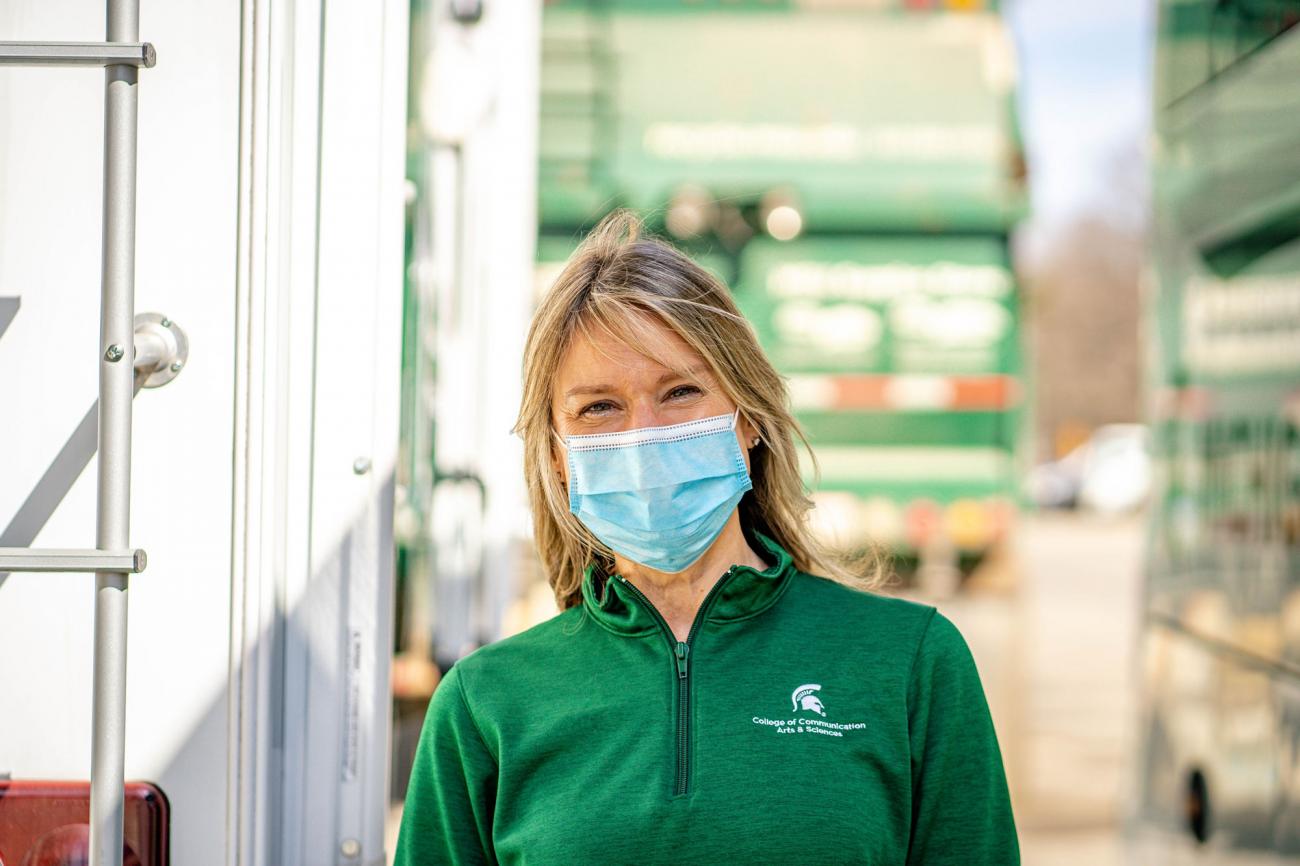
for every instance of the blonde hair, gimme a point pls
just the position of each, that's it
(622, 281)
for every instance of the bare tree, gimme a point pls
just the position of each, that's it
(1083, 309)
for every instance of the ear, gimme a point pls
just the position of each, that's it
(559, 463)
(747, 433)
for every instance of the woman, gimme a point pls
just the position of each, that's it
(716, 688)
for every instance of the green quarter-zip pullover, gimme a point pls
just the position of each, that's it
(801, 722)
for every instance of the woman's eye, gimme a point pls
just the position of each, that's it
(683, 391)
(597, 408)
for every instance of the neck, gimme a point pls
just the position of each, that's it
(678, 596)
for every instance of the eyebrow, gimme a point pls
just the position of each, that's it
(699, 371)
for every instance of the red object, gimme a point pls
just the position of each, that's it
(921, 519)
(872, 391)
(46, 824)
(1001, 515)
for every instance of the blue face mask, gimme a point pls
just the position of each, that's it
(658, 496)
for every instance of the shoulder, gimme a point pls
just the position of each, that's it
(838, 607)
(887, 632)
(543, 648)
(918, 635)
(943, 653)
(915, 642)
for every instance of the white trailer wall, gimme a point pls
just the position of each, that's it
(270, 229)
(477, 106)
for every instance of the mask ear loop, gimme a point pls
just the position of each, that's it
(735, 419)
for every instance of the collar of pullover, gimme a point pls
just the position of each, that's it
(741, 592)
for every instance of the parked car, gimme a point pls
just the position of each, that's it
(1109, 473)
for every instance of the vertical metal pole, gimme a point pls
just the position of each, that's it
(117, 314)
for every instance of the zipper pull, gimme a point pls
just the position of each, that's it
(683, 650)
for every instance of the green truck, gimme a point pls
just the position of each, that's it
(1218, 757)
(853, 173)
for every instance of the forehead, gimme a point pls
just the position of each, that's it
(599, 356)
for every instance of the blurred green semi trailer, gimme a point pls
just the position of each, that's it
(853, 173)
(1217, 769)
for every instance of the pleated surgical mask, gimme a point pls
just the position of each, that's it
(658, 496)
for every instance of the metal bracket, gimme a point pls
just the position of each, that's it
(161, 349)
(77, 54)
(64, 559)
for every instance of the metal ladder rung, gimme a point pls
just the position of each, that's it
(72, 559)
(77, 54)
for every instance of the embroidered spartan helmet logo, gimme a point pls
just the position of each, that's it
(803, 698)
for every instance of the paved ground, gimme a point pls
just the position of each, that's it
(1053, 630)
(1052, 626)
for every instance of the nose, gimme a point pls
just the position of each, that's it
(645, 413)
